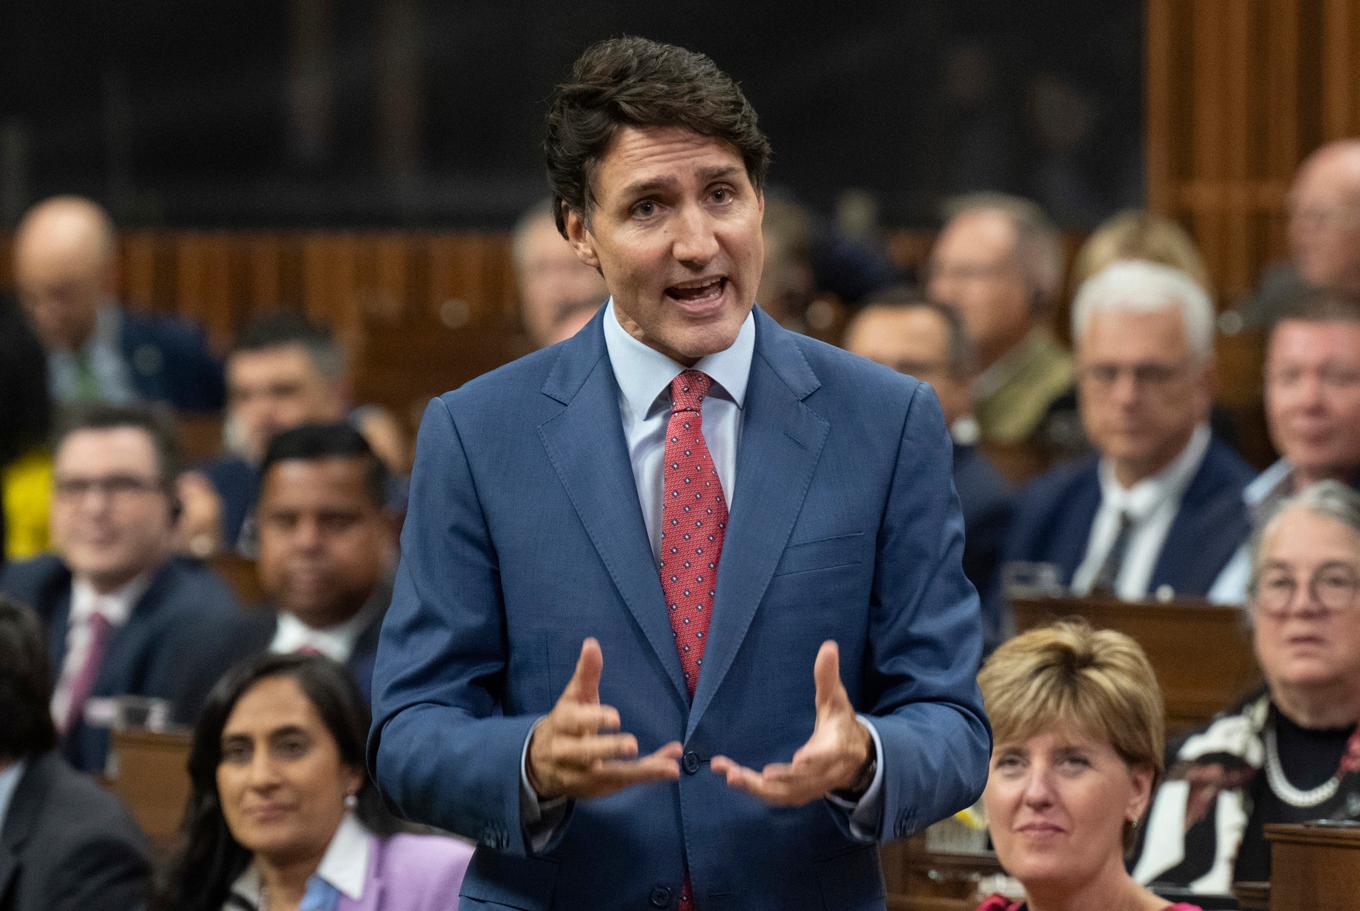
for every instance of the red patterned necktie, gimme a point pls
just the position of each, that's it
(693, 522)
(83, 684)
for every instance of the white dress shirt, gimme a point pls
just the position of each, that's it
(335, 642)
(344, 866)
(103, 353)
(115, 607)
(9, 781)
(1265, 490)
(1152, 505)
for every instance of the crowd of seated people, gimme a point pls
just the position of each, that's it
(1135, 493)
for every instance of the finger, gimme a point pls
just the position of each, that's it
(616, 774)
(778, 792)
(584, 685)
(826, 674)
(583, 752)
(575, 719)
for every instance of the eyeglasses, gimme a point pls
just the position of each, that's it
(1333, 586)
(1147, 375)
(114, 485)
(1331, 376)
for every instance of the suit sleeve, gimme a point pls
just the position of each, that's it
(106, 872)
(924, 639)
(440, 749)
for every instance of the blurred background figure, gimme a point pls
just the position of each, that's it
(998, 261)
(1138, 234)
(1289, 752)
(1312, 403)
(66, 844)
(282, 813)
(1077, 725)
(902, 330)
(1324, 233)
(327, 547)
(1147, 514)
(25, 439)
(124, 615)
(557, 292)
(66, 272)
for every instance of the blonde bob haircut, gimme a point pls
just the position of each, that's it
(1068, 675)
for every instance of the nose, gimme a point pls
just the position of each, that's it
(695, 243)
(1125, 388)
(1038, 791)
(263, 774)
(307, 535)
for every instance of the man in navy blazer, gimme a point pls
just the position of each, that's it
(66, 274)
(529, 689)
(112, 596)
(1147, 515)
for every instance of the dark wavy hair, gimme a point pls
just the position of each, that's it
(25, 684)
(210, 859)
(632, 81)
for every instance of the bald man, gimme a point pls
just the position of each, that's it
(66, 277)
(1324, 233)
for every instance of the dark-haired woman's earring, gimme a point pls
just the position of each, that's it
(351, 801)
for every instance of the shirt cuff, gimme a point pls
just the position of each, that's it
(864, 816)
(541, 819)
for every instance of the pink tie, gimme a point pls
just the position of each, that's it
(81, 687)
(693, 523)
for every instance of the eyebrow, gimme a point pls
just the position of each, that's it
(286, 731)
(656, 184)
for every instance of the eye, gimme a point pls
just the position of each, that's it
(235, 754)
(644, 209)
(722, 194)
(292, 747)
(1007, 762)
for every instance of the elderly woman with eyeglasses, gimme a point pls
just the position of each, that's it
(1288, 753)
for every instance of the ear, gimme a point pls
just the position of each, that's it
(581, 240)
(1141, 795)
(352, 778)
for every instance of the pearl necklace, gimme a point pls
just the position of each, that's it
(1287, 792)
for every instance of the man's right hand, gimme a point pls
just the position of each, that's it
(578, 751)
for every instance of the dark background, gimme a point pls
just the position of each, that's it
(405, 113)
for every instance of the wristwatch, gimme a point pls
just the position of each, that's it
(856, 791)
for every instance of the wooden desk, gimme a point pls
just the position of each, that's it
(152, 780)
(1201, 652)
(1314, 868)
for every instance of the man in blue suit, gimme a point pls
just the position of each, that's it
(1147, 516)
(66, 274)
(549, 681)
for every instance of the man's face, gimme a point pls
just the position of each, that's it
(324, 544)
(1312, 391)
(111, 515)
(675, 230)
(1324, 220)
(61, 281)
(1140, 389)
(974, 269)
(551, 281)
(915, 341)
(275, 389)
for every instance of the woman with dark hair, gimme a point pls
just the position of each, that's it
(282, 815)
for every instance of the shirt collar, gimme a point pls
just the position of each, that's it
(116, 606)
(335, 642)
(344, 865)
(9, 781)
(644, 374)
(1146, 495)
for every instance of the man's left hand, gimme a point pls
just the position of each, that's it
(833, 759)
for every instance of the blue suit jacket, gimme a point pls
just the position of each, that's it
(180, 637)
(169, 361)
(525, 536)
(1053, 521)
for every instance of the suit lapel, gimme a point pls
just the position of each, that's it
(586, 447)
(22, 818)
(781, 443)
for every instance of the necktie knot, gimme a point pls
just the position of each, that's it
(688, 390)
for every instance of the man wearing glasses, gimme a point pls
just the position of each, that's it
(1144, 517)
(124, 617)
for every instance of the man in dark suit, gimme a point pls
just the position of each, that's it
(327, 546)
(66, 273)
(66, 844)
(921, 338)
(1143, 517)
(124, 616)
(562, 677)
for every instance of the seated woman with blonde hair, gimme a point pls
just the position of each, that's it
(282, 816)
(1077, 729)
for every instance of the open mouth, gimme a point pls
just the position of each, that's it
(699, 292)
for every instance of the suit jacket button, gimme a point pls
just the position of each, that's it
(661, 896)
(691, 762)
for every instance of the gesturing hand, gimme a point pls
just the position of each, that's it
(576, 751)
(833, 759)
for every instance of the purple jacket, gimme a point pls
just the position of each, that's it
(412, 873)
